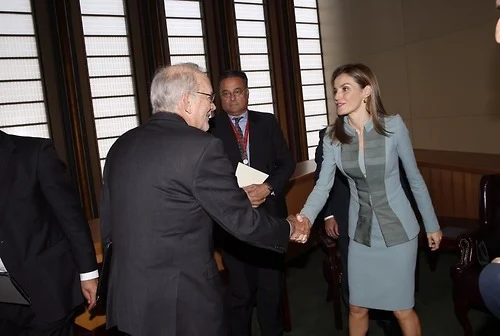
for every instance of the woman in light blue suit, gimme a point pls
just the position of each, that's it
(365, 143)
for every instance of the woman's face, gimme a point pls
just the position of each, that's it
(348, 95)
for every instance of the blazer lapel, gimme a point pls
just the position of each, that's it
(227, 136)
(256, 139)
(6, 168)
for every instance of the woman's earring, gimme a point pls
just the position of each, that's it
(364, 100)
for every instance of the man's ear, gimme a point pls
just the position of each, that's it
(186, 103)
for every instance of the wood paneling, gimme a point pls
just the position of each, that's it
(300, 186)
(459, 161)
(454, 194)
(453, 180)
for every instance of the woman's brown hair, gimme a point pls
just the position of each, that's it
(363, 76)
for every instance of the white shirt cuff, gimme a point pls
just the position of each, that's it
(328, 217)
(89, 275)
(290, 224)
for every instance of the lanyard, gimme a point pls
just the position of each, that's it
(241, 142)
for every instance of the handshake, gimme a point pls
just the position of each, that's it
(300, 228)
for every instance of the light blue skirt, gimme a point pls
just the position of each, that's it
(382, 277)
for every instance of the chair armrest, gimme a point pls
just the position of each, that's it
(467, 246)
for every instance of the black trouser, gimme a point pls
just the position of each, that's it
(343, 242)
(16, 320)
(256, 278)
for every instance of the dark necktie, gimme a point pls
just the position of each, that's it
(243, 151)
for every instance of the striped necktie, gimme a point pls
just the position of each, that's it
(243, 151)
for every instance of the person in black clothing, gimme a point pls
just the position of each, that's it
(336, 213)
(256, 276)
(45, 241)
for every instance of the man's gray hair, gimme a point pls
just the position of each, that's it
(170, 83)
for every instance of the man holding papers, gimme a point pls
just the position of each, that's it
(255, 140)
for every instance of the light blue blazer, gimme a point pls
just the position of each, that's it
(375, 188)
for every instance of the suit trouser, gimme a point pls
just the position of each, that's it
(489, 285)
(16, 320)
(251, 285)
(343, 242)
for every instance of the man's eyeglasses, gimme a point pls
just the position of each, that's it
(237, 92)
(210, 96)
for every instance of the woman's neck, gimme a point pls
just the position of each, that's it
(358, 119)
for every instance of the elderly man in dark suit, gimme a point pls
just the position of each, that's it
(45, 242)
(256, 276)
(165, 183)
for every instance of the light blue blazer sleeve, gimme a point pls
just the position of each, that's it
(415, 179)
(318, 196)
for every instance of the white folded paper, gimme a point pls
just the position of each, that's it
(247, 175)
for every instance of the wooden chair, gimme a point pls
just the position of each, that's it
(332, 271)
(452, 229)
(482, 244)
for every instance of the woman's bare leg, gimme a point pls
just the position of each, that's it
(358, 321)
(409, 322)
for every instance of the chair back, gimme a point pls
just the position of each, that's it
(489, 211)
(489, 214)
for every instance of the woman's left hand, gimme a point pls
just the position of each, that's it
(434, 239)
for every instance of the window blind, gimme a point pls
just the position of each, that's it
(22, 101)
(311, 70)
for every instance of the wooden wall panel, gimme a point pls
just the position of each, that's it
(454, 193)
(300, 189)
(425, 171)
(459, 196)
(447, 194)
(435, 190)
(473, 196)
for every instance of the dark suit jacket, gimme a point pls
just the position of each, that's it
(164, 184)
(45, 240)
(269, 153)
(338, 200)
